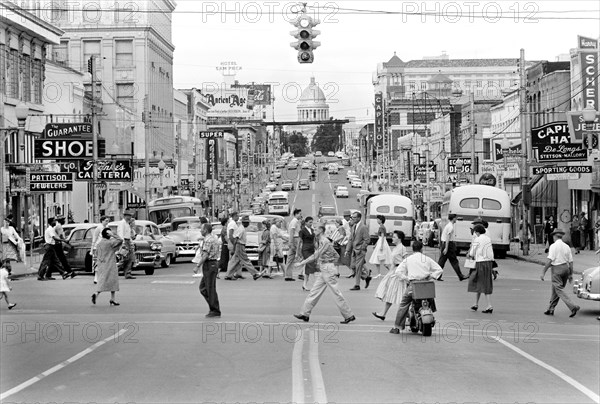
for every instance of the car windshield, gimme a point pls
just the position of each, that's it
(186, 225)
(255, 227)
(166, 215)
(328, 210)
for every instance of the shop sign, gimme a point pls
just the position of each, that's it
(562, 170)
(466, 165)
(562, 177)
(67, 149)
(379, 128)
(53, 130)
(108, 170)
(48, 182)
(212, 134)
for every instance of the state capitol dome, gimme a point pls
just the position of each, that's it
(313, 104)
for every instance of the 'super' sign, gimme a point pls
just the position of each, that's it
(211, 134)
(65, 149)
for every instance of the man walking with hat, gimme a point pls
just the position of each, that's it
(126, 251)
(240, 257)
(561, 261)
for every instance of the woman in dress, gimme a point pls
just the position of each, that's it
(480, 280)
(10, 245)
(108, 274)
(279, 238)
(382, 254)
(264, 256)
(391, 288)
(307, 248)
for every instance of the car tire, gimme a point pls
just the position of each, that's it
(149, 271)
(88, 262)
(166, 262)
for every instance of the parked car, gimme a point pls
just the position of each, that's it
(350, 173)
(80, 244)
(333, 169)
(287, 186)
(292, 166)
(588, 286)
(327, 211)
(277, 174)
(356, 183)
(151, 247)
(303, 184)
(341, 192)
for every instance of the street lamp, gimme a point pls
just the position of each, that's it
(589, 116)
(161, 169)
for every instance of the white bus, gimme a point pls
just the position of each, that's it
(489, 203)
(163, 210)
(279, 203)
(398, 211)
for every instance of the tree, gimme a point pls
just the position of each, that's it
(327, 137)
(295, 142)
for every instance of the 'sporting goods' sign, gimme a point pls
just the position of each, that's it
(562, 170)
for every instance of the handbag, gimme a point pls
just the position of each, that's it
(469, 263)
(198, 256)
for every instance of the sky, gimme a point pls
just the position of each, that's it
(358, 35)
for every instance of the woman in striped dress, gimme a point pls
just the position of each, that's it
(391, 288)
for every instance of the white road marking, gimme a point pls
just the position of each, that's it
(176, 282)
(319, 395)
(60, 366)
(595, 397)
(297, 377)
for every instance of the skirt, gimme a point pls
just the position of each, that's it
(480, 278)
(391, 288)
(264, 258)
(10, 252)
(381, 257)
(311, 267)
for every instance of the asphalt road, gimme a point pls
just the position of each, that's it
(158, 346)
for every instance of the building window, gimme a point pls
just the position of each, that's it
(37, 81)
(26, 78)
(90, 48)
(423, 85)
(12, 77)
(60, 53)
(124, 53)
(125, 96)
(479, 84)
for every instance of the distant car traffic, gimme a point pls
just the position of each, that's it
(331, 154)
(350, 173)
(287, 186)
(326, 211)
(303, 184)
(277, 174)
(271, 186)
(356, 183)
(341, 192)
(360, 194)
(318, 154)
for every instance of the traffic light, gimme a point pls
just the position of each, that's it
(91, 65)
(313, 175)
(305, 35)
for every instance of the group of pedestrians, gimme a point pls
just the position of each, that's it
(54, 257)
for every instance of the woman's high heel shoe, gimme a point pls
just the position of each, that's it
(474, 308)
(94, 298)
(304, 289)
(489, 310)
(113, 303)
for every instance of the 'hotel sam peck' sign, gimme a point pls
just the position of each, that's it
(553, 143)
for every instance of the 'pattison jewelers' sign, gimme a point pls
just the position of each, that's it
(50, 182)
(553, 143)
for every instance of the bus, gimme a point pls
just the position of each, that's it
(163, 210)
(398, 211)
(279, 203)
(489, 203)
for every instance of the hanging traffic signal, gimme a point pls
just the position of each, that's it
(305, 34)
(91, 65)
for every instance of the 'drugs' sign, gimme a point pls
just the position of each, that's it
(553, 143)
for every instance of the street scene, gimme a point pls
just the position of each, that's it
(278, 221)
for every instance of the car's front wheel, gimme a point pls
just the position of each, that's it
(166, 262)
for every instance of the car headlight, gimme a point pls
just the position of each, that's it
(155, 246)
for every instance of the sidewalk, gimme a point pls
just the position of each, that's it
(27, 268)
(582, 261)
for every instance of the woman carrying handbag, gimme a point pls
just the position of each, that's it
(480, 279)
(10, 245)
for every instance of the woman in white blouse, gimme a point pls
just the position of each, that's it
(480, 279)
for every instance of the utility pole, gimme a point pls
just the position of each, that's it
(196, 179)
(472, 128)
(524, 167)
(147, 125)
(92, 70)
(179, 157)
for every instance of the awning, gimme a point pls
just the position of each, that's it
(544, 193)
(134, 201)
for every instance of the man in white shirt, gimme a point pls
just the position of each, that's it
(240, 258)
(294, 231)
(50, 261)
(448, 248)
(232, 227)
(560, 259)
(415, 267)
(124, 232)
(96, 237)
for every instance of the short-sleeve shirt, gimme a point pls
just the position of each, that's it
(294, 228)
(560, 253)
(231, 225)
(49, 234)
(448, 232)
(124, 230)
(240, 234)
(211, 246)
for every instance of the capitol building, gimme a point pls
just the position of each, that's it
(312, 106)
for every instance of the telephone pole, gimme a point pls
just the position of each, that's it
(147, 126)
(92, 70)
(472, 129)
(524, 167)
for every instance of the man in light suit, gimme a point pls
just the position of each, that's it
(357, 249)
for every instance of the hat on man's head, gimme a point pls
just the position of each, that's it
(246, 219)
(347, 212)
(557, 232)
(128, 213)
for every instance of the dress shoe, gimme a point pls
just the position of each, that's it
(229, 278)
(440, 280)
(495, 274)
(290, 280)
(256, 276)
(382, 318)
(41, 279)
(304, 289)
(474, 308)
(130, 277)
(347, 320)
(65, 276)
(462, 278)
(94, 298)
(549, 312)
(302, 317)
(10, 306)
(350, 276)
(73, 274)
(395, 331)
(574, 311)
(113, 303)
(213, 314)
(50, 278)
(95, 282)
(356, 287)
(488, 310)
(367, 281)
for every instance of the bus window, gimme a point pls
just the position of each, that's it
(469, 203)
(491, 204)
(383, 209)
(400, 209)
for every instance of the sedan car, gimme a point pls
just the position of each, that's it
(330, 154)
(588, 286)
(356, 183)
(287, 186)
(257, 208)
(151, 247)
(318, 154)
(303, 184)
(186, 235)
(80, 244)
(271, 186)
(327, 211)
(341, 192)
(277, 174)
(350, 173)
